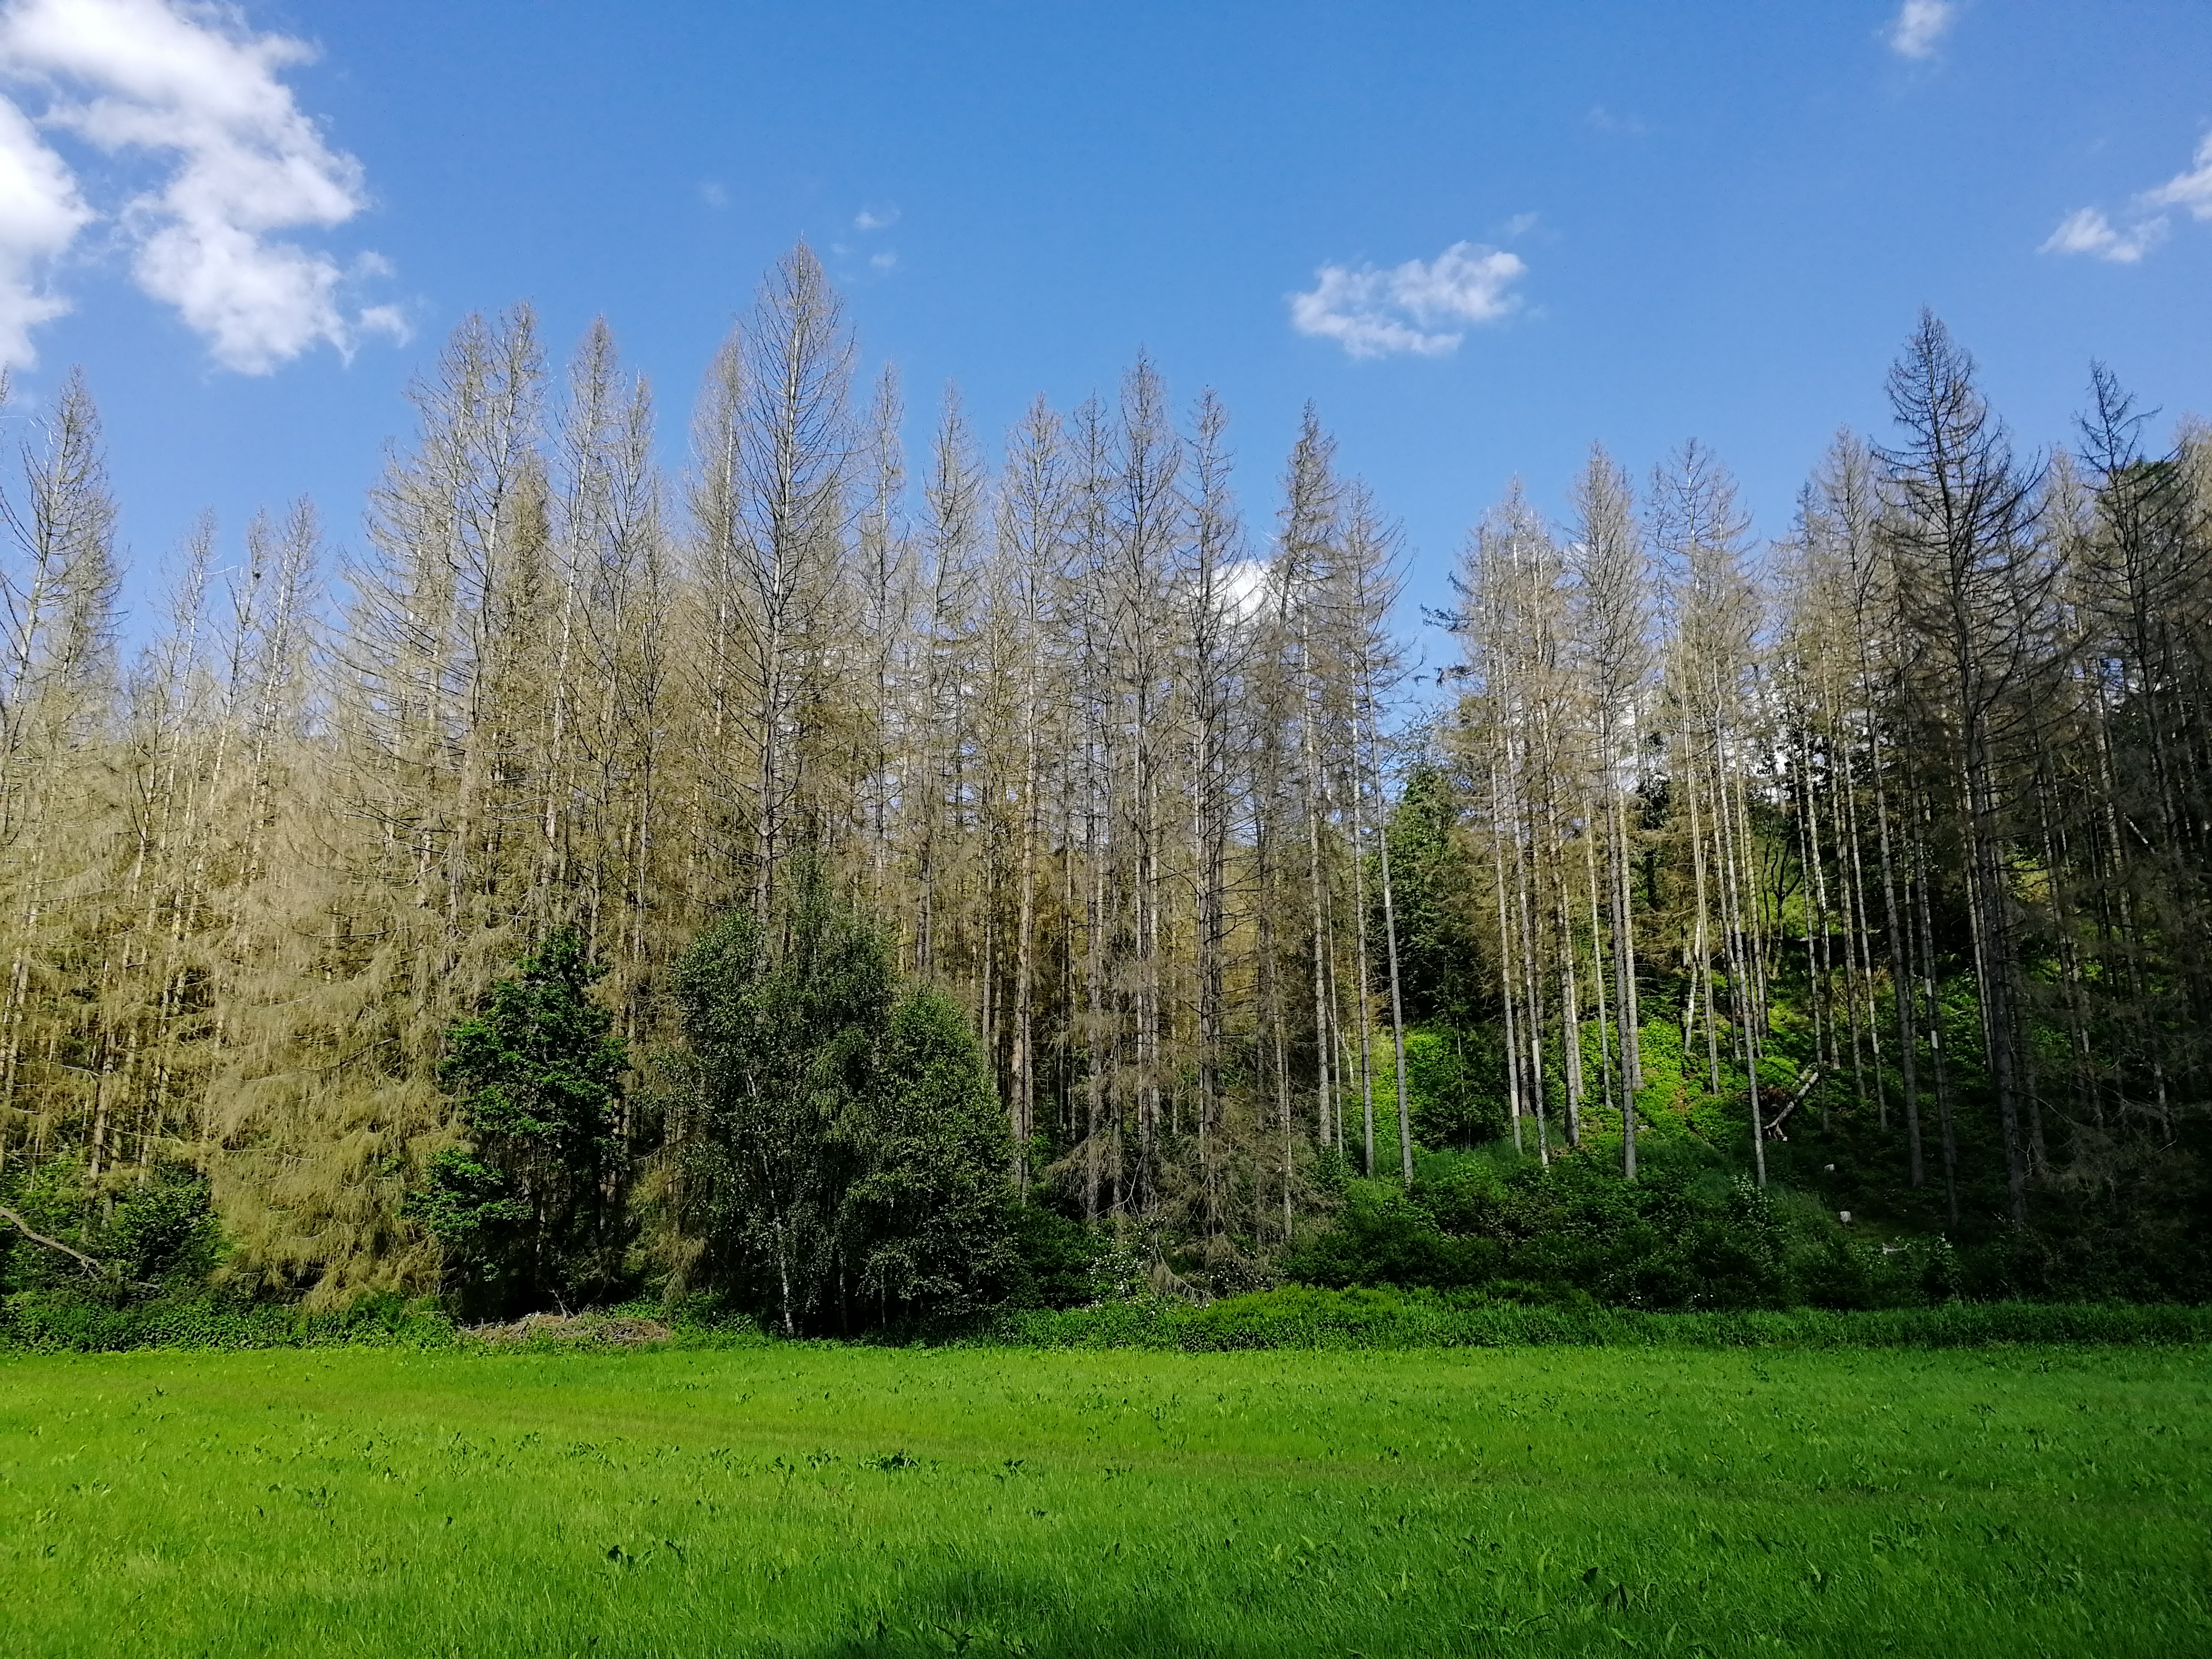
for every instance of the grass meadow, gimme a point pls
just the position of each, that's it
(805, 1499)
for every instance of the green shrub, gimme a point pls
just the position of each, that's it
(49, 1320)
(147, 1231)
(1304, 1317)
(1678, 1239)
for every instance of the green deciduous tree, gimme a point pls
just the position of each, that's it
(838, 1148)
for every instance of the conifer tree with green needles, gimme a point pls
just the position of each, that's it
(528, 1206)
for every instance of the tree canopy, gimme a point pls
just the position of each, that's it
(841, 1158)
(528, 1206)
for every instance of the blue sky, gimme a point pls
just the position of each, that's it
(1641, 222)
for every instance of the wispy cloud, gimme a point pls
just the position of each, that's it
(1602, 119)
(1420, 308)
(1920, 26)
(714, 194)
(40, 214)
(2145, 219)
(192, 84)
(2191, 190)
(884, 260)
(2086, 230)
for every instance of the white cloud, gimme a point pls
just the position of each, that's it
(1243, 589)
(2089, 231)
(885, 261)
(875, 218)
(2191, 190)
(2145, 219)
(192, 83)
(1411, 307)
(40, 214)
(1920, 27)
(1626, 126)
(713, 194)
(388, 320)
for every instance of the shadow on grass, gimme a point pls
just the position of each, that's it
(985, 1613)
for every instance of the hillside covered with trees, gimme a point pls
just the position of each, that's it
(869, 886)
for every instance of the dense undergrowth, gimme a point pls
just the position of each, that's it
(1483, 1248)
(1293, 1317)
(1299, 1317)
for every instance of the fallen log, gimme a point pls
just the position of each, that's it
(1773, 1129)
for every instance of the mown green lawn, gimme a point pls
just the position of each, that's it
(805, 1500)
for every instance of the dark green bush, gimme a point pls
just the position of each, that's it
(1682, 1238)
(1056, 1254)
(528, 1211)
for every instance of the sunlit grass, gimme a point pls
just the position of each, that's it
(817, 1500)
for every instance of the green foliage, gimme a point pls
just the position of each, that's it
(1482, 1215)
(66, 1319)
(1453, 1076)
(1440, 958)
(844, 1161)
(1057, 1254)
(781, 1030)
(529, 1210)
(53, 1199)
(150, 1231)
(930, 1211)
(1301, 1316)
(1681, 1237)
(161, 1232)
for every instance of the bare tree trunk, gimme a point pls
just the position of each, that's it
(1505, 975)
